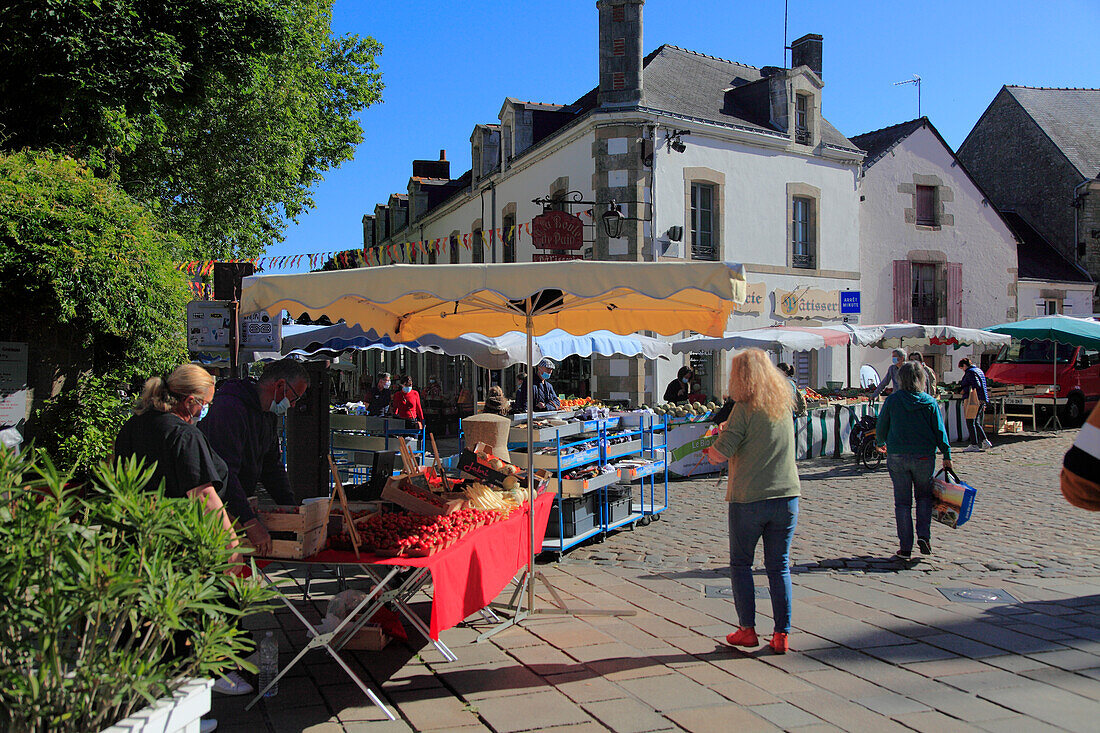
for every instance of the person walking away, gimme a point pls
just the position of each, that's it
(544, 396)
(799, 401)
(762, 491)
(974, 381)
(677, 389)
(162, 432)
(911, 428)
(1081, 466)
(929, 375)
(405, 403)
(891, 378)
(380, 397)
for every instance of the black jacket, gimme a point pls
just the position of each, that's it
(247, 439)
(676, 391)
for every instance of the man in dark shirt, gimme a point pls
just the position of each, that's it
(544, 396)
(380, 396)
(242, 428)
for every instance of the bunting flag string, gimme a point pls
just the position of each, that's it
(409, 251)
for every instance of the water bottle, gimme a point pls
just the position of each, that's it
(269, 663)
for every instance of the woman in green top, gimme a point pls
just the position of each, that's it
(911, 427)
(758, 442)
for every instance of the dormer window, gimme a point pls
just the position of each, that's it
(802, 109)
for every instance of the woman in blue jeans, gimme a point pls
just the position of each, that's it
(911, 427)
(758, 442)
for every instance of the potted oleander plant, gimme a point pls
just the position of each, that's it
(116, 599)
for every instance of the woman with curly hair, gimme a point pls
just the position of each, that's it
(758, 442)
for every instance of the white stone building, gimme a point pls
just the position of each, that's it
(706, 158)
(933, 249)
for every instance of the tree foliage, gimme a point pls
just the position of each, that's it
(87, 280)
(219, 114)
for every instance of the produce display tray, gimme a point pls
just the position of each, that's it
(623, 449)
(580, 487)
(541, 435)
(570, 460)
(626, 475)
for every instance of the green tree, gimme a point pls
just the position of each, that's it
(87, 280)
(219, 114)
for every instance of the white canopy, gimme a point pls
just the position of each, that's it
(779, 338)
(902, 335)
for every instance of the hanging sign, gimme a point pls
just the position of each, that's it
(540, 257)
(209, 323)
(557, 230)
(810, 303)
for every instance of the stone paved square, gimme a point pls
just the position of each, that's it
(875, 646)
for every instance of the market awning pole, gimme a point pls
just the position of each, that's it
(848, 348)
(529, 388)
(1054, 423)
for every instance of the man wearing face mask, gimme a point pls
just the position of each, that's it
(677, 390)
(243, 428)
(891, 378)
(381, 396)
(544, 396)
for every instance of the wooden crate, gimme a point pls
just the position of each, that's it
(305, 528)
(370, 638)
(394, 493)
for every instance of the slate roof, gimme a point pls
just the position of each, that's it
(1036, 258)
(1070, 118)
(880, 142)
(690, 84)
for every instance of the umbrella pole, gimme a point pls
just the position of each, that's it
(1054, 423)
(528, 386)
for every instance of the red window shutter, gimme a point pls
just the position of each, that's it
(954, 294)
(903, 290)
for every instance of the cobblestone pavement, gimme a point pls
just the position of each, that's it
(876, 646)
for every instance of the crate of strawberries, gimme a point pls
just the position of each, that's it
(404, 534)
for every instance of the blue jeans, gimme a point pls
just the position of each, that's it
(976, 426)
(912, 477)
(774, 520)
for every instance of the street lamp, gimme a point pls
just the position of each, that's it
(613, 220)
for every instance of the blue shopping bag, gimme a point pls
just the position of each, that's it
(953, 499)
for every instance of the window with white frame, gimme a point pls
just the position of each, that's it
(704, 244)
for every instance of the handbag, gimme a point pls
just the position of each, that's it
(953, 499)
(970, 409)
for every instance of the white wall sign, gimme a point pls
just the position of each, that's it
(807, 303)
(755, 294)
(13, 383)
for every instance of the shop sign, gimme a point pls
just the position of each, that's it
(557, 230)
(13, 383)
(539, 257)
(807, 304)
(755, 293)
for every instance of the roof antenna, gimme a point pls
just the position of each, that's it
(914, 80)
(785, 46)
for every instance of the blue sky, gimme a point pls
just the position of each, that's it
(449, 65)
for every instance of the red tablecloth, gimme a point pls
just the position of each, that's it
(468, 574)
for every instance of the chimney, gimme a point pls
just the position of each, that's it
(442, 154)
(620, 39)
(806, 51)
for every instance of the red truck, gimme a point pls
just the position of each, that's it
(1076, 371)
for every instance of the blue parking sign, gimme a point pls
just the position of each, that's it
(849, 302)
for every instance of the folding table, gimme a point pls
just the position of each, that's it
(465, 578)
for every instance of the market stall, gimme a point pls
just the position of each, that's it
(408, 301)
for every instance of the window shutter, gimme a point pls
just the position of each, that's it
(954, 294)
(903, 290)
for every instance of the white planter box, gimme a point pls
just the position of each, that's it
(179, 713)
(622, 449)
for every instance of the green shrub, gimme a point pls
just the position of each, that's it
(77, 428)
(113, 599)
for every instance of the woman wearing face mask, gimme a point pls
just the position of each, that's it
(678, 389)
(891, 378)
(406, 402)
(380, 396)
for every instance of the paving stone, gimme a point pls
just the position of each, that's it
(954, 665)
(934, 722)
(981, 681)
(720, 719)
(671, 692)
(481, 683)
(585, 686)
(909, 653)
(1067, 659)
(840, 712)
(1078, 684)
(1049, 704)
(538, 710)
(961, 705)
(785, 715)
(627, 716)
(434, 711)
(890, 703)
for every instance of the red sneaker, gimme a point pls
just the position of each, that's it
(780, 644)
(744, 636)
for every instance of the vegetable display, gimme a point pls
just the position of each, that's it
(416, 535)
